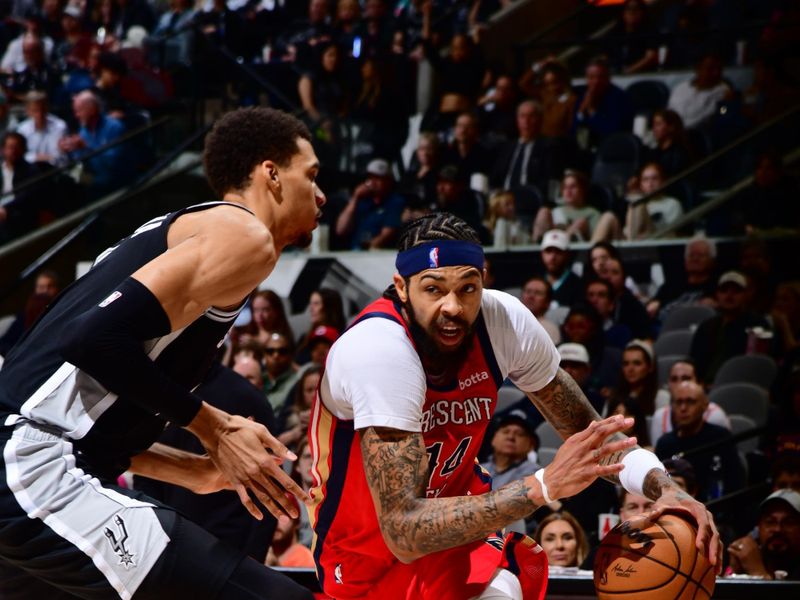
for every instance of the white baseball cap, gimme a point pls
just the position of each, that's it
(556, 238)
(574, 353)
(787, 495)
(733, 277)
(378, 167)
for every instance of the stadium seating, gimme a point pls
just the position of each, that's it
(687, 317)
(674, 342)
(745, 399)
(759, 369)
(548, 436)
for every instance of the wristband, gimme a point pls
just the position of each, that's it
(637, 465)
(540, 477)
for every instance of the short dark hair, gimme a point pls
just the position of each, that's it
(548, 287)
(246, 137)
(604, 282)
(433, 227)
(18, 136)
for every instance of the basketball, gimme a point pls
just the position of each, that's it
(655, 563)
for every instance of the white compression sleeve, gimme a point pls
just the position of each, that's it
(637, 465)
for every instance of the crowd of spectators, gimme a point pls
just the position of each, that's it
(514, 155)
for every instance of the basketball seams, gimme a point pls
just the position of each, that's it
(680, 557)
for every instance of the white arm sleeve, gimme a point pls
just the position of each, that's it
(375, 377)
(524, 351)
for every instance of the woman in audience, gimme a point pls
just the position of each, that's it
(563, 540)
(579, 219)
(268, 316)
(672, 149)
(295, 415)
(627, 407)
(325, 308)
(502, 210)
(549, 83)
(639, 380)
(421, 176)
(643, 220)
(325, 91)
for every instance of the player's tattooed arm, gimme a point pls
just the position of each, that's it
(564, 405)
(396, 468)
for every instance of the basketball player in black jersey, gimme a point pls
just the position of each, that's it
(87, 391)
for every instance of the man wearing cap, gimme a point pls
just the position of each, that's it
(576, 363)
(320, 342)
(557, 260)
(513, 439)
(407, 394)
(725, 335)
(373, 214)
(775, 554)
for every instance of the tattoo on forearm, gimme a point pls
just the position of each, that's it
(565, 406)
(396, 468)
(654, 483)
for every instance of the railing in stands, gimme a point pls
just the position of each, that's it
(93, 217)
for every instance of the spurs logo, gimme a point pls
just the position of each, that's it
(118, 544)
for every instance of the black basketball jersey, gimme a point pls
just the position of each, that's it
(37, 384)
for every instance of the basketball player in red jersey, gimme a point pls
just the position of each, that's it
(400, 510)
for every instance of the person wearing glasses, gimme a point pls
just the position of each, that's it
(280, 372)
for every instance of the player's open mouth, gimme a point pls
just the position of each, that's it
(450, 335)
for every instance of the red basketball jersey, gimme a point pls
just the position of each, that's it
(349, 550)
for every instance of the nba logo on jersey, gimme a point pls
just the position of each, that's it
(433, 258)
(337, 573)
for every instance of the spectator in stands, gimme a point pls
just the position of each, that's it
(42, 131)
(549, 83)
(249, 368)
(775, 554)
(643, 220)
(324, 308)
(466, 150)
(770, 203)
(346, 19)
(14, 57)
(423, 172)
(671, 149)
(109, 168)
(628, 310)
(268, 316)
(537, 294)
(376, 28)
(325, 90)
(320, 342)
(111, 68)
(785, 313)
(45, 289)
(461, 74)
(639, 380)
(575, 361)
(19, 213)
(372, 216)
(633, 43)
(785, 472)
(301, 473)
(633, 505)
(293, 420)
(563, 540)
(696, 99)
(453, 195)
(725, 335)
(281, 374)
(132, 13)
(36, 73)
(629, 407)
(502, 220)
(286, 549)
(583, 326)
(696, 285)
(7, 120)
(528, 160)
(302, 36)
(682, 473)
(513, 439)
(602, 108)
(599, 255)
(498, 111)
(173, 37)
(574, 214)
(600, 295)
(72, 50)
(770, 95)
(663, 420)
(557, 260)
(693, 432)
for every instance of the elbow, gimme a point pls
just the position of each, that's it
(394, 535)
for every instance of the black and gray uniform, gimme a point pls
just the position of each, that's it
(65, 438)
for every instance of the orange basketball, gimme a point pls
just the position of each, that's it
(655, 563)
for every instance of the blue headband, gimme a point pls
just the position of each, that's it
(440, 253)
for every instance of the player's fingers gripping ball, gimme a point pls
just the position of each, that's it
(653, 561)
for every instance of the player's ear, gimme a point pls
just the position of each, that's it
(400, 286)
(271, 175)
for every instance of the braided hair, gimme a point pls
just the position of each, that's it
(436, 226)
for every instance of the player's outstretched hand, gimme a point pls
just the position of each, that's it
(673, 498)
(250, 458)
(577, 463)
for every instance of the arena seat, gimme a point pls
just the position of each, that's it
(546, 455)
(687, 317)
(759, 369)
(745, 399)
(678, 341)
(618, 158)
(647, 96)
(508, 395)
(548, 436)
(665, 364)
(740, 423)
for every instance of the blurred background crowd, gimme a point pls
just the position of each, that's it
(674, 119)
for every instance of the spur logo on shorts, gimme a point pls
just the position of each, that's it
(433, 258)
(118, 544)
(113, 296)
